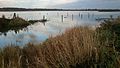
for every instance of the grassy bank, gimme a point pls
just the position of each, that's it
(74, 48)
(79, 47)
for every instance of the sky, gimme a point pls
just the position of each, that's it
(61, 3)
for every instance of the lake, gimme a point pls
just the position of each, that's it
(58, 22)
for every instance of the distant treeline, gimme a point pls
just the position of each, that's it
(45, 9)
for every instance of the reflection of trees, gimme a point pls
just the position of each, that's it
(15, 23)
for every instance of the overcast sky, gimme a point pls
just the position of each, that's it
(60, 3)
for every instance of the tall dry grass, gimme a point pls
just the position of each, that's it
(76, 48)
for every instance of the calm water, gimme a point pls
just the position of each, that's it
(39, 32)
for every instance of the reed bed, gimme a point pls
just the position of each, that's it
(75, 48)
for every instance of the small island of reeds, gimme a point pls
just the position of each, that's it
(15, 23)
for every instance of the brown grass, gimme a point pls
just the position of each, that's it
(75, 48)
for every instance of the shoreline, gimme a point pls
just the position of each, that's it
(45, 9)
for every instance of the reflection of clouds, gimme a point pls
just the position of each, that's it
(57, 25)
(38, 27)
(38, 32)
(25, 38)
(21, 38)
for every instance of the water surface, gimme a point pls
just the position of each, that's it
(39, 32)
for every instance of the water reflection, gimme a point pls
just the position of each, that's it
(58, 22)
(21, 37)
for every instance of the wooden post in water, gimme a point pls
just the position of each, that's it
(111, 16)
(79, 14)
(43, 17)
(3, 16)
(43, 20)
(57, 14)
(62, 18)
(72, 17)
(67, 14)
(14, 16)
(92, 15)
(88, 15)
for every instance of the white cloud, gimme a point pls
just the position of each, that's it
(6, 3)
(45, 3)
(33, 3)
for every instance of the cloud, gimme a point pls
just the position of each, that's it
(55, 3)
(33, 3)
(6, 3)
(92, 4)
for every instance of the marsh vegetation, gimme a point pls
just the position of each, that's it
(78, 47)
